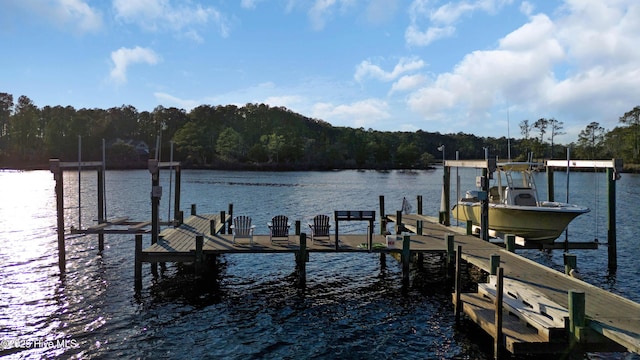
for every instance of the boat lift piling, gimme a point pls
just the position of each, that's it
(613, 169)
(488, 166)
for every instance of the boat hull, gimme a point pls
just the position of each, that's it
(543, 223)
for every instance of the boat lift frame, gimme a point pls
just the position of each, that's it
(613, 169)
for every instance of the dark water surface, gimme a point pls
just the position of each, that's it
(351, 308)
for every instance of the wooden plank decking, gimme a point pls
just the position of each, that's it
(611, 315)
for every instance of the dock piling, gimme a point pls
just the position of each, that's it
(212, 227)
(497, 340)
(399, 226)
(570, 263)
(577, 308)
(458, 284)
(449, 238)
(297, 226)
(406, 260)
(494, 264)
(199, 255)
(419, 200)
(223, 216)
(193, 209)
(138, 264)
(301, 260)
(230, 221)
(383, 220)
(469, 227)
(510, 241)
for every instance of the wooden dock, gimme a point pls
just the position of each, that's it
(608, 315)
(613, 322)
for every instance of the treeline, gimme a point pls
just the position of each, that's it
(257, 136)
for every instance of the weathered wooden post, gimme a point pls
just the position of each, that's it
(177, 213)
(469, 227)
(223, 219)
(458, 284)
(228, 223)
(577, 317)
(419, 227)
(301, 260)
(101, 219)
(570, 263)
(398, 222)
(510, 241)
(497, 340)
(212, 227)
(449, 238)
(193, 210)
(54, 165)
(297, 227)
(484, 203)
(419, 210)
(156, 193)
(137, 273)
(550, 185)
(383, 219)
(494, 264)
(180, 218)
(447, 196)
(611, 231)
(199, 254)
(406, 260)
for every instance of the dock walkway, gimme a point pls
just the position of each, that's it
(610, 315)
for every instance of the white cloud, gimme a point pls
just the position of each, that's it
(167, 99)
(440, 21)
(363, 113)
(413, 35)
(368, 70)
(578, 67)
(323, 10)
(408, 82)
(163, 15)
(65, 13)
(124, 57)
(248, 4)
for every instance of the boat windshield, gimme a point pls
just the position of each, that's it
(515, 176)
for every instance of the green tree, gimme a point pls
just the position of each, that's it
(189, 141)
(6, 107)
(407, 155)
(632, 120)
(273, 143)
(590, 140)
(24, 129)
(555, 128)
(229, 145)
(541, 125)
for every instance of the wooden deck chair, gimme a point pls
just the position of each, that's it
(242, 228)
(320, 227)
(279, 227)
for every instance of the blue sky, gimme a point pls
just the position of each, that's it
(446, 66)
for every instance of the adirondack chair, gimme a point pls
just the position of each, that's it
(320, 227)
(242, 228)
(279, 227)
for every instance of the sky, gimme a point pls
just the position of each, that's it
(475, 66)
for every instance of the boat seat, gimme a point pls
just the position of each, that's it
(525, 200)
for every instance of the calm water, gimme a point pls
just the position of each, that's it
(351, 306)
